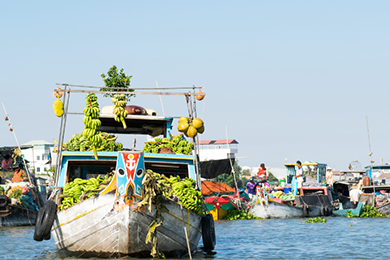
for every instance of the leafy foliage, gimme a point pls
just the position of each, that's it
(272, 177)
(368, 212)
(115, 81)
(316, 220)
(228, 178)
(234, 214)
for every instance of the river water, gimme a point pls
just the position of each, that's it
(344, 238)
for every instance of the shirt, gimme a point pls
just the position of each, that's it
(251, 188)
(299, 171)
(261, 172)
(5, 164)
(354, 194)
(329, 177)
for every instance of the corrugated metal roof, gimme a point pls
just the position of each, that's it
(37, 142)
(384, 176)
(210, 142)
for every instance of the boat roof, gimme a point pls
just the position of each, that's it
(136, 124)
(378, 167)
(351, 171)
(306, 164)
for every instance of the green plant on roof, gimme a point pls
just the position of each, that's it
(117, 81)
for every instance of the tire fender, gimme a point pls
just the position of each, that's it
(208, 232)
(3, 201)
(45, 221)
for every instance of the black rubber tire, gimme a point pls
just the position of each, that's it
(208, 232)
(45, 221)
(306, 211)
(3, 201)
(38, 224)
(323, 212)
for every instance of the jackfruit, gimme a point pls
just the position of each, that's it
(58, 107)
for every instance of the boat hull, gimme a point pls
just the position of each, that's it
(94, 228)
(276, 210)
(13, 216)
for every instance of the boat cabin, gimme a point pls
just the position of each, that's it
(313, 172)
(82, 164)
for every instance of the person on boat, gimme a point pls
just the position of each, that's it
(354, 194)
(6, 163)
(251, 188)
(19, 173)
(299, 176)
(262, 175)
(329, 176)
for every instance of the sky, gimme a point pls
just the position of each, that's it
(286, 79)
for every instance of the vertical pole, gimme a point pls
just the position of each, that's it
(370, 154)
(62, 134)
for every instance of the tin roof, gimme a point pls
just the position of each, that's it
(211, 142)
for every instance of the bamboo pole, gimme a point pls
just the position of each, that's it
(13, 131)
(126, 92)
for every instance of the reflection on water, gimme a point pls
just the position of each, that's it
(250, 239)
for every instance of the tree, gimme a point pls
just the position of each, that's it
(228, 179)
(272, 177)
(246, 172)
(115, 81)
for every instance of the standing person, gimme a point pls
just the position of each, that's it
(251, 188)
(354, 196)
(6, 163)
(299, 176)
(329, 176)
(262, 175)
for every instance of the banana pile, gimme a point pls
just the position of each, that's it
(92, 123)
(185, 190)
(190, 127)
(75, 189)
(79, 143)
(119, 108)
(177, 144)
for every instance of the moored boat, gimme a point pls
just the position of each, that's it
(113, 221)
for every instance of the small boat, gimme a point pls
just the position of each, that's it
(341, 212)
(12, 211)
(220, 198)
(276, 210)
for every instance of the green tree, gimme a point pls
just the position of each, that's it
(228, 178)
(115, 81)
(272, 177)
(246, 172)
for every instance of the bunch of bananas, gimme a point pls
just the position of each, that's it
(79, 143)
(119, 108)
(75, 189)
(92, 123)
(185, 190)
(177, 144)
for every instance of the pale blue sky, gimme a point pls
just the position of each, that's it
(287, 78)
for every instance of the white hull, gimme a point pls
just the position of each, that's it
(276, 210)
(92, 228)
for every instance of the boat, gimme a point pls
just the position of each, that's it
(111, 223)
(219, 198)
(17, 209)
(341, 212)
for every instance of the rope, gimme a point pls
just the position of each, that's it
(28, 215)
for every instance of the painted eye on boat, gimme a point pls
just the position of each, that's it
(121, 172)
(140, 172)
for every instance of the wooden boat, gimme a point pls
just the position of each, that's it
(12, 215)
(111, 223)
(341, 212)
